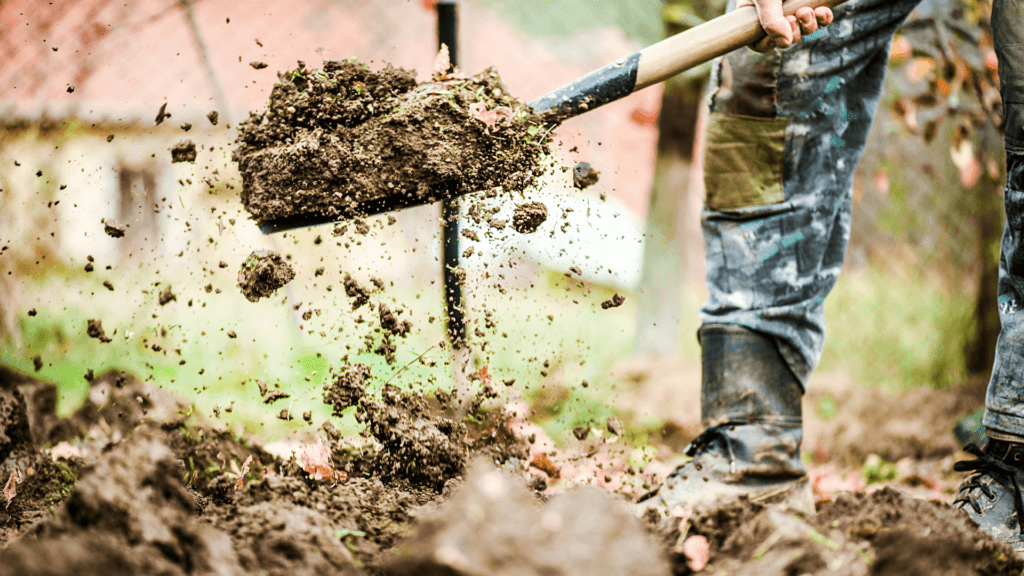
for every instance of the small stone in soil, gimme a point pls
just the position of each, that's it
(613, 302)
(529, 216)
(95, 330)
(113, 228)
(184, 151)
(262, 273)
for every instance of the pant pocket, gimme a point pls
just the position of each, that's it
(743, 161)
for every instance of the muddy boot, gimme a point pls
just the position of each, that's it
(750, 403)
(991, 494)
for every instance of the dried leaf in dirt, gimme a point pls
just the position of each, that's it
(316, 460)
(10, 490)
(697, 552)
(245, 470)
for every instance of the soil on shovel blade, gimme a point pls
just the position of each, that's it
(333, 140)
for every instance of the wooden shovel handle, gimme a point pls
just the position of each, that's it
(661, 61)
(712, 39)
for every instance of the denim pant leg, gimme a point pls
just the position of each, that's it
(1004, 403)
(785, 133)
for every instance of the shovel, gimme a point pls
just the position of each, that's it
(637, 71)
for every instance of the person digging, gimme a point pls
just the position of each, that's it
(788, 123)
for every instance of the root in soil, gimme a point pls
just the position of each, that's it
(333, 139)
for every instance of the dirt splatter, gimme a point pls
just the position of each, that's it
(94, 329)
(184, 151)
(166, 295)
(359, 294)
(348, 387)
(335, 140)
(113, 228)
(528, 217)
(614, 302)
(262, 273)
(584, 175)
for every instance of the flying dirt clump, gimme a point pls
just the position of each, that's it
(95, 330)
(262, 273)
(348, 388)
(529, 216)
(113, 228)
(184, 151)
(344, 140)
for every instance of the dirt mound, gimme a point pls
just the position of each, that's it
(493, 524)
(886, 532)
(333, 141)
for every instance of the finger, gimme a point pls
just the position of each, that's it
(808, 22)
(824, 15)
(794, 28)
(774, 22)
(763, 46)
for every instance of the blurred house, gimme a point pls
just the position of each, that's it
(82, 82)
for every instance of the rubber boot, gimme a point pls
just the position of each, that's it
(750, 406)
(991, 495)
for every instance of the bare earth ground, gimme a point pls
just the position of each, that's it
(134, 482)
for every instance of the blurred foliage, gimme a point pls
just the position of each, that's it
(563, 18)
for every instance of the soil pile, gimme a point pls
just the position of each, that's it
(345, 141)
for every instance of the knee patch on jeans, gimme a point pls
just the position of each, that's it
(743, 161)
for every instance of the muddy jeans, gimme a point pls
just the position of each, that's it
(785, 134)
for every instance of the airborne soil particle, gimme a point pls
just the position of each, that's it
(614, 302)
(212, 117)
(334, 138)
(184, 151)
(354, 290)
(166, 296)
(258, 65)
(113, 228)
(348, 388)
(262, 273)
(95, 330)
(529, 216)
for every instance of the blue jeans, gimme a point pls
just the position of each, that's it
(785, 134)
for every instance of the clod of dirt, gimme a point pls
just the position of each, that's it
(529, 216)
(348, 388)
(390, 324)
(614, 302)
(282, 538)
(37, 363)
(262, 273)
(184, 151)
(332, 140)
(354, 290)
(113, 228)
(493, 525)
(14, 422)
(581, 432)
(584, 175)
(108, 285)
(130, 514)
(212, 117)
(258, 65)
(162, 114)
(95, 330)
(166, 296)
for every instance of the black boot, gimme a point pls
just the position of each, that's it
(991, 495)
(750, 404)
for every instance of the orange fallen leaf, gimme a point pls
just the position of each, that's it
(697, 551)
(492, 118)
(10, 488)
(900, 50)
(245, 470)
(543, 463)
(316, 460)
